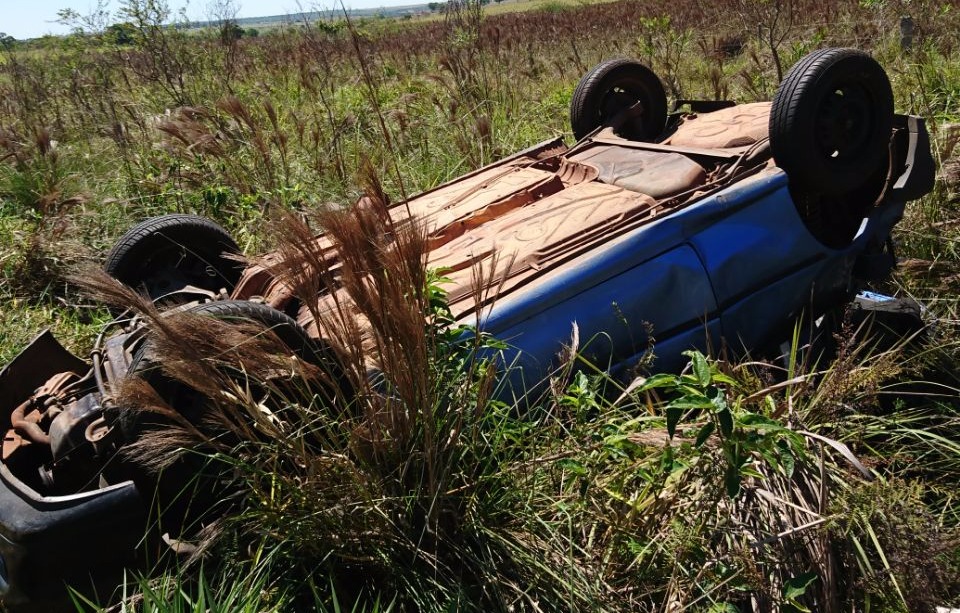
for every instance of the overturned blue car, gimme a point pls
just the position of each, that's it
(711, 225)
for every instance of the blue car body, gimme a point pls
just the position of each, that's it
(720, 263)
(736, 268)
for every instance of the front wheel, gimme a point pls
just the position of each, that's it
(331, 385)
(232, 392)
(165, 254)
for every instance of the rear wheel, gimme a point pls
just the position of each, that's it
(623, 94)
(251, 404)
(313, 351)
(332, 378)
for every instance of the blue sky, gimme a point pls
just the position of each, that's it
(31, 18)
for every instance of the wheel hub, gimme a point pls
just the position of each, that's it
(844, 123)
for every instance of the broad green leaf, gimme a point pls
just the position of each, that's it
(705, 431)
(717, 398)
(701, 369)
(772, 458)
(572, 466)
(692, 402)
(796, 587)
(732, 480)
(666, 460)
(726, 422)
(794, 440)
(673, 417)
(661, 380)
(787, 462)
(755, 420)
(719, 377)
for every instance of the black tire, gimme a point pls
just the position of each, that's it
(167, 253)
(831, 121)
(290, 333)
(333, 387)
(197, 487)
(612, 87)
(338, 389)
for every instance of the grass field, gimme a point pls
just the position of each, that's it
(584, 503)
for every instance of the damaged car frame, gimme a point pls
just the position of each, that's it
(713, 224)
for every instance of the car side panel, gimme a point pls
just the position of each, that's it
(767, 269)
(760, 240)
(669, 293)
(765, 266)
(677, 274)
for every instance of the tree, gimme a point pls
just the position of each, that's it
(224, 14)
(93, 22)
(121, 33)
(167, 58)
(773, 20)
(230, 32)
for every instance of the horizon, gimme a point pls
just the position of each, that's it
(39, 18)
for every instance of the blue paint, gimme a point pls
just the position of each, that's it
(735, 268)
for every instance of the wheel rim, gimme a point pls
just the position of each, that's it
(175, 266)
(619, 98)
(845, 122)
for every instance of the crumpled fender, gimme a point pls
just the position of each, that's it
(40, 360)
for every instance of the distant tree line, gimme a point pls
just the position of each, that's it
(439, 6)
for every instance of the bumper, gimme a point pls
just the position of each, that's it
(49, 542)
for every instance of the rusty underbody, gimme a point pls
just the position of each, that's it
(542, 208)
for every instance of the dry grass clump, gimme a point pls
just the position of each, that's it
(406, 487)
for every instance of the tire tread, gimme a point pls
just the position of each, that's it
(793, 100)
(314, 351)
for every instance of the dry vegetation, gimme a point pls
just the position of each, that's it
(434, 497)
